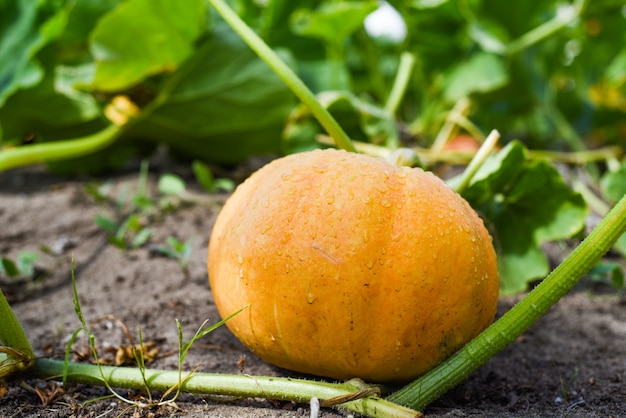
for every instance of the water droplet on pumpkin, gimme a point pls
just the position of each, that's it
(386, 203)
(241, 274)
(240, 258)
(310, 298)
(370, 264)
(287, 267)
(330, 199)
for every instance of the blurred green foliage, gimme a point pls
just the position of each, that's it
(551, 73)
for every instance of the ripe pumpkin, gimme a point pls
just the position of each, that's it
(351, 267)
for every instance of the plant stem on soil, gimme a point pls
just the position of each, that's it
(297, 390)
(423, 391)
(14, 343)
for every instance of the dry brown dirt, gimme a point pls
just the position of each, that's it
(572, 363)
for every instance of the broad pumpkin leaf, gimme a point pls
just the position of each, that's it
(52, 109)
(26, 26)
(140, 38)
(613, 185)
(228, 106)
(524, 203)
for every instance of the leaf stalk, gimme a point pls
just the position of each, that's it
(288, 76)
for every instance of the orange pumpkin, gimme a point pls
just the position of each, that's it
(351, 267)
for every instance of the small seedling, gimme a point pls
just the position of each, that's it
(24, 266)
(178, 250)
(205, 178)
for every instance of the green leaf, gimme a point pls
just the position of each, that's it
(141, 237)
(203, 174)
(226, 104)
(8, 267)
(26, 262)
(26, 26)
(332, 22)
(525, 203)
(482, 73)
(175, 244)
(613, 183)
(106, 224)
(141, 38)
(225, 184)
(608, 272)
(171, 184)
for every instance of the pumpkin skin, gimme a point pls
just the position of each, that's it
(351, 267)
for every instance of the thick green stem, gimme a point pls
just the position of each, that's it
(50, 151)
(297, 390)
(285, 73)
(511, 325)
(15, 344)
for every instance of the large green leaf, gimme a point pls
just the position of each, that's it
(26, 26)
(525, 203)
(226, 104)
(141, 38)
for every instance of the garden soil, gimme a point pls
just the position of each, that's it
(571, 363)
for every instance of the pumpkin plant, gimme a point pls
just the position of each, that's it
(369, 241)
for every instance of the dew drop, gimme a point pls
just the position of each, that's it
(386, 203)
(396, 237)
(241, 274)
(330, 199)
(370, 264)
(240, 258)
(310, 298)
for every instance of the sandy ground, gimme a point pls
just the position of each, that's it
(572, 363)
